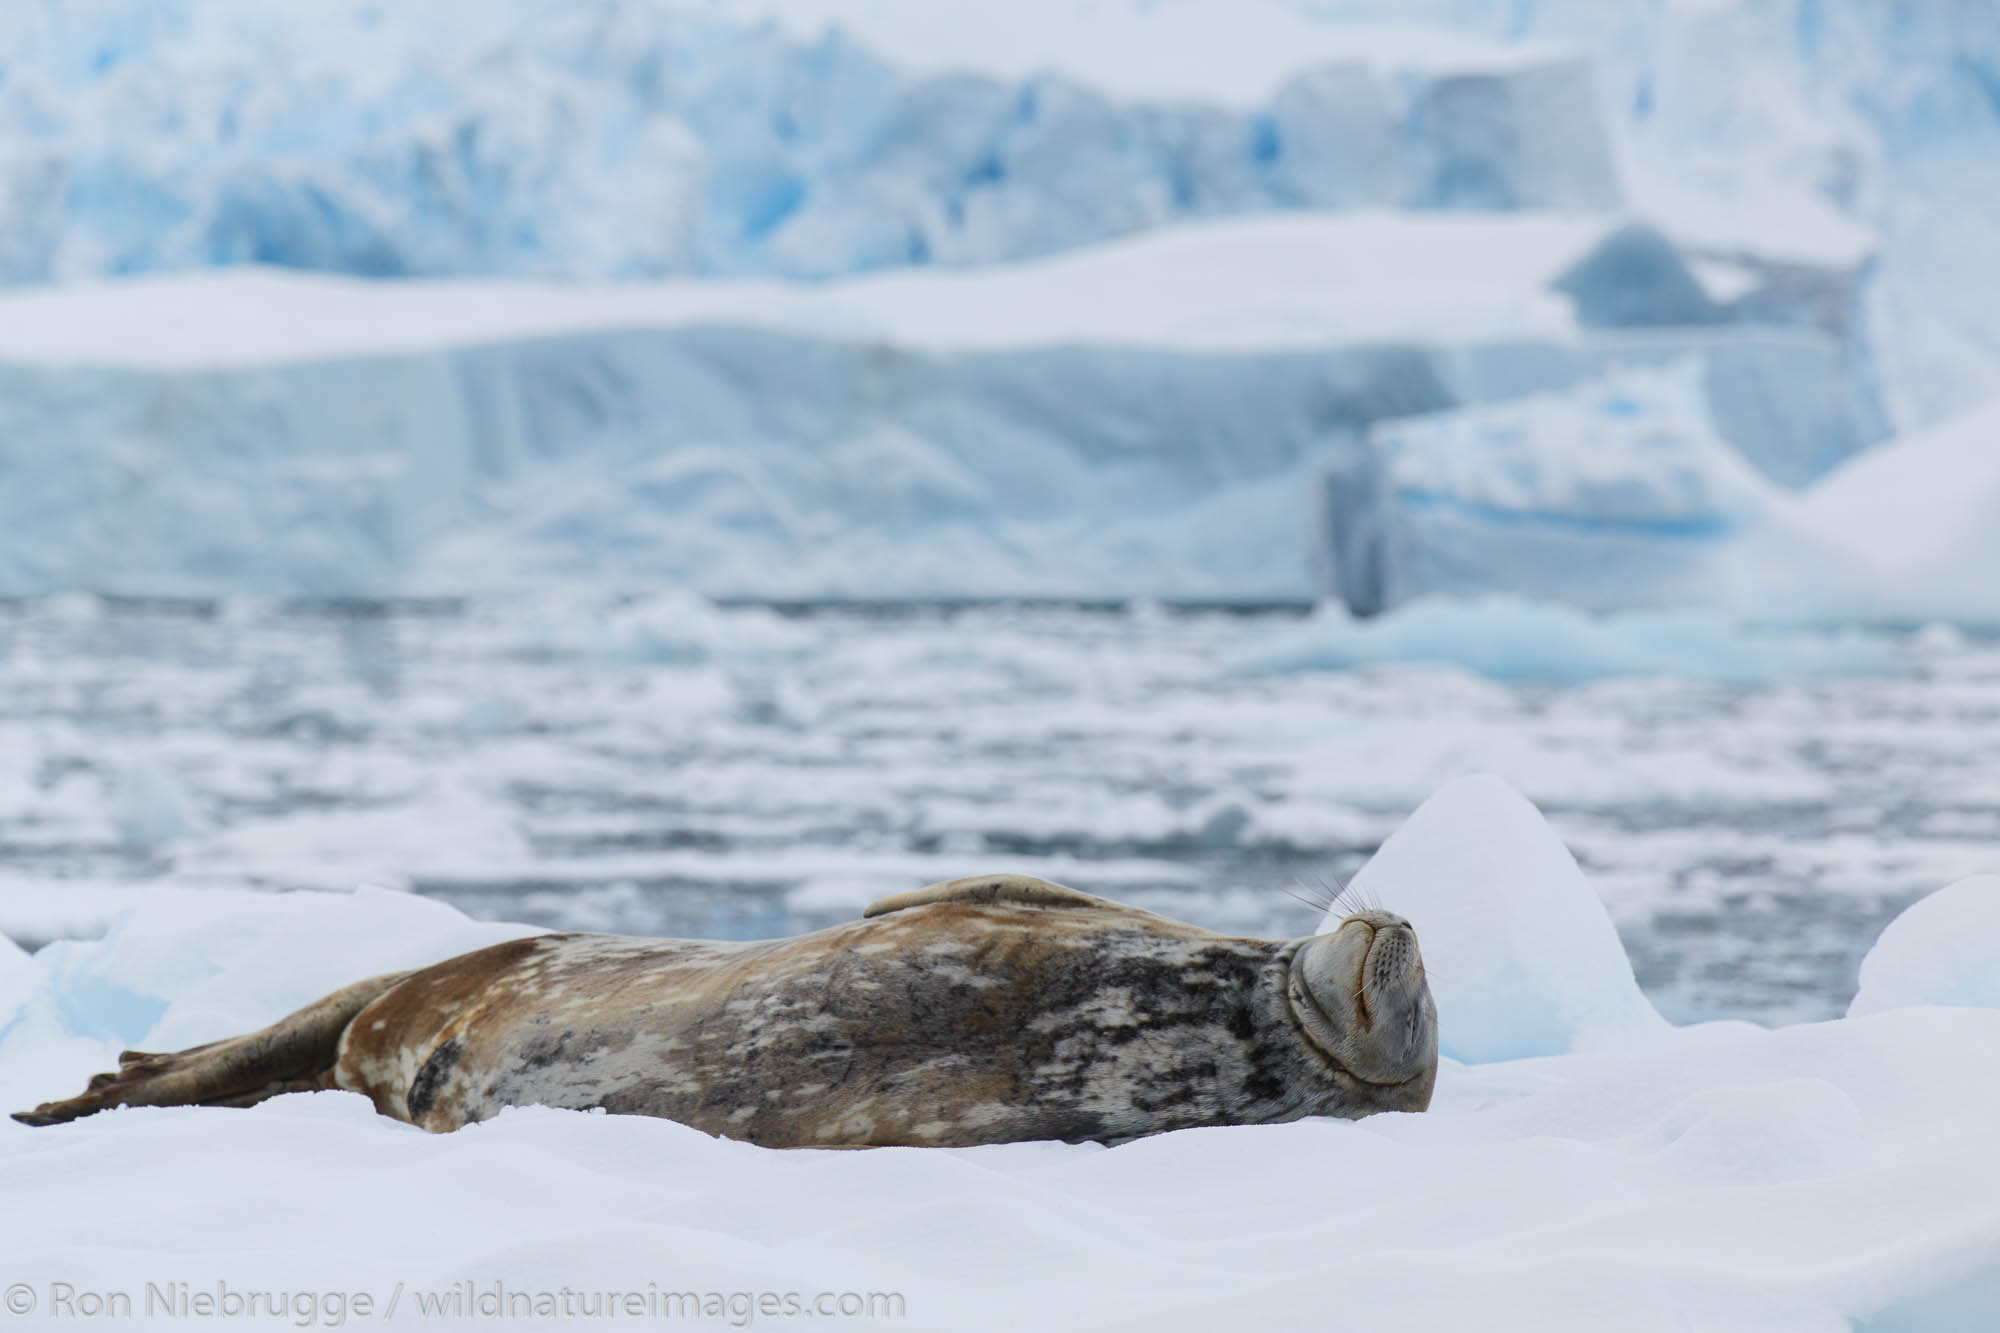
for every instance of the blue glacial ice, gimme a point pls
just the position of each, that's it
(932, 434)
(618, 140)
(812, 457)
(1617, 492)
(614, 140)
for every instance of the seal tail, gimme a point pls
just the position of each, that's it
(294, 1054)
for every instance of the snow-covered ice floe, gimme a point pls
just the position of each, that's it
(1584, 1165)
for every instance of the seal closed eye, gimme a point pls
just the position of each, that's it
(982, 1010)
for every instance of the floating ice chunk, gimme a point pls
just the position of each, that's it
(1522, 957)
(1943, 949)
(1510, 638)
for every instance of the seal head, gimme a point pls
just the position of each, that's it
(1360, 996)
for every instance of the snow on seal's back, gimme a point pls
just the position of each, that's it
(1943, 949)
(1523, 958)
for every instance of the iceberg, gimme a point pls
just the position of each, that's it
(1149, 417)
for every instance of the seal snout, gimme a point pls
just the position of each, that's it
(1393, 962)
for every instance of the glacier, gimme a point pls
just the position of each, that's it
(627, 140)
(1778, 138)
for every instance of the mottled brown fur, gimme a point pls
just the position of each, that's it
(985, 1010)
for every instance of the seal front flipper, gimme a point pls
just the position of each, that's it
(1024, 889)
(294, 1054)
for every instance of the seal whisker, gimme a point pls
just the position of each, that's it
(1313, 896)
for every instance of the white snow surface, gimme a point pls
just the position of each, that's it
(1721, 1176)
(1943, 949)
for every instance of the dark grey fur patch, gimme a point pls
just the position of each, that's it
(424, 1087)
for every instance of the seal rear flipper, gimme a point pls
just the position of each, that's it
(294, 1054)
(995, 889)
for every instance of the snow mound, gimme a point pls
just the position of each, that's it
(180, 968)
(1943, 949)
(1523, 958)
(1513, 639)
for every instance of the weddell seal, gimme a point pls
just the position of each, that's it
(984, 1010)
